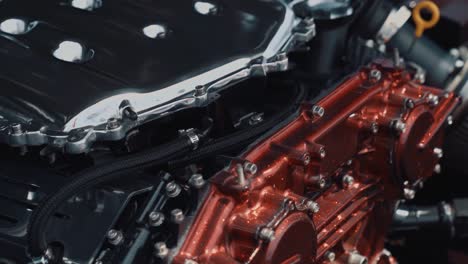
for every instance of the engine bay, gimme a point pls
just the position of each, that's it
(250, 131)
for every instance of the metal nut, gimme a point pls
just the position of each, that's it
(266, 234)
(115, 237)
(348, 180)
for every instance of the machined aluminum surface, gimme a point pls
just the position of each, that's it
(68, 80)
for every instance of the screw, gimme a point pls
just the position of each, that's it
(330, 256)
(399, 126)
(113, 123)
(432, 99)
(438, 152)
(266, 234)
(375, 76)
(115, 237)
(318, 111)
(409, 194)
(173, 189)
(348, 180)
(306, 159)
(312, 206)
(197, 181)
(177, 216)
(250, 167)
(156, 219)
(161, 250)
(438, 169)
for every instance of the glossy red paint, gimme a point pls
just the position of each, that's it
(376, 138)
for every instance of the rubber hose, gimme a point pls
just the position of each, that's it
(95, 176)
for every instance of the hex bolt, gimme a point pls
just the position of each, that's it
(409, 194)
(115, 237)
(399, 126)
(156, 218)
(113, 123)
(330, 256)
(312, 206)
(173, 189)
(177, 216)
(438, 152)
(250, 167)
(375, 76)
(348, 180)
(197, 181)
(160, 250)
(432, 99)
(437, 169)
(266, 234)
(318, 111)
(356, 258)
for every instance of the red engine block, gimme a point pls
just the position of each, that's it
(327, 183)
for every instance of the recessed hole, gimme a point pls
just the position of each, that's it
(16, 26)
(155, 31)
(86, 4)
(205, 8)
(72, 51)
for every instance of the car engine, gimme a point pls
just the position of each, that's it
(225, 132)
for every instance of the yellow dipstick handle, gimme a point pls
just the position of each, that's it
(421, 23)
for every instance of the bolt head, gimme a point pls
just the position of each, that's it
(250, 167)
(409, 194)
(197, 181)
(432, 99)
(374, 128)
(375, 75)
(115, 237)
(161, 250)
(348, 180)
(266, 234)
(399, 126)
(177, 216)
(173, 189)
(437, 169)
(438, 152)
(312, 206)
(450, 120)
(330, 256)
(156, 218)
(113, 123)
(318, 111)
